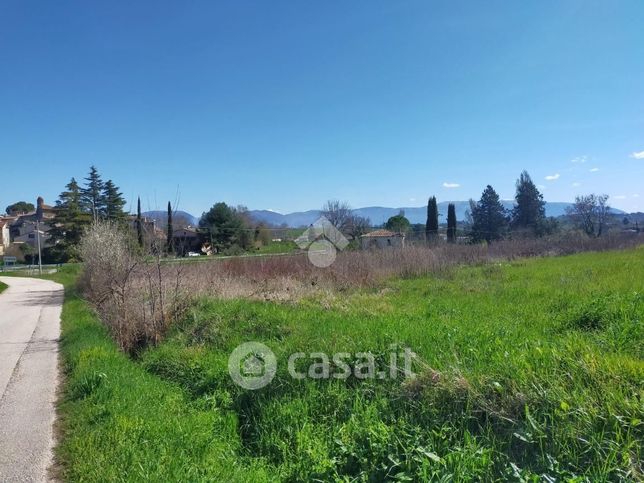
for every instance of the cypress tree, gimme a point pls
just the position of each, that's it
(431, 228)
(170, 235)
(451, 223)
(139, 223)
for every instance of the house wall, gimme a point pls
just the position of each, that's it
(26, 233)
(382, 242)
(4, 237)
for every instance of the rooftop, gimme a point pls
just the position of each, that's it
(382, 233)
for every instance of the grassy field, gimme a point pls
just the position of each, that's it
(3, 286)
(525, 370)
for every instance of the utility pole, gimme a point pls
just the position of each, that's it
(39, 216)
(39, 250)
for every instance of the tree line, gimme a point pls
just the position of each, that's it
(488, 220)
(231, 230)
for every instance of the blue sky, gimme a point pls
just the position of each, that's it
(282, 105)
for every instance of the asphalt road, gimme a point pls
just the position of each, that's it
(29, 330)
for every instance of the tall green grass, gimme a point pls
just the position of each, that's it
(527, 370)
(120, 423)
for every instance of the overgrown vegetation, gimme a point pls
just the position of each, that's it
(526, 370)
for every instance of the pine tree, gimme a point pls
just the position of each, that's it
(431, 228)
(529, 211)
(489, 219)
(170, 236)
(114, 202)
(139, 223)
(70, 221)
(92, 194)
(451, 223)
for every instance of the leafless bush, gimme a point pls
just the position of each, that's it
(136, 300)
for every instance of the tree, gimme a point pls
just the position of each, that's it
(590, 213)
(69, 223)
(431, 229)
(451, 223)
(170, 231)
(357, 226)
(92, 194)
(113, 202)
(139, 223)
(339, 213)
(225, 227)
(529, 211)
(20, 207)
(398, 223)
(489, 219)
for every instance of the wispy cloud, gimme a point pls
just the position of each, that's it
(579, 159)
(594, 170)
(619, 197)
(451, 185)
(635, 195)
(576, 184)
(638, 155)
(552, 177)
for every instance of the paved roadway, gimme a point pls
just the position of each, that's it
(29, 330)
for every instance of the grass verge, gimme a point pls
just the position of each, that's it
(3, 287)
(120, 423)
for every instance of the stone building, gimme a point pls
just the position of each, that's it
(382, 239)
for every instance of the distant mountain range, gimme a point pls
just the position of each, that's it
(378, 215)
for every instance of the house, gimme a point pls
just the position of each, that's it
(22, 229)
(382, 239)
(147, 224)
(186, 240)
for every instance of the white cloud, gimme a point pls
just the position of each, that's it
(637, 155)
(620, 197)
(579, 160)
(636, 195)
(576, 184)
(451, 185)
(552, 177)
(412, 199)
(594, 170)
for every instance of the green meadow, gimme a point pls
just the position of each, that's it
(529, 370)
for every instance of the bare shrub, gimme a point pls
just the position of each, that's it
(136, 300)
